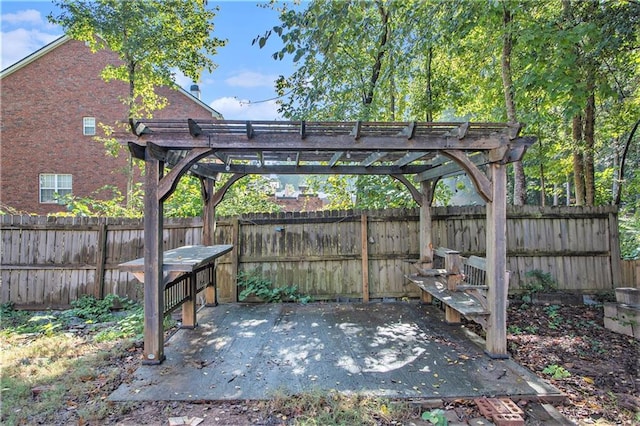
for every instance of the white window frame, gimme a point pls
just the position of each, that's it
(58, 183)
(88, 126)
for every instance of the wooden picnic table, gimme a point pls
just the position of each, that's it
(180, 269)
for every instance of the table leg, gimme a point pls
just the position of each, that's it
(189, 319)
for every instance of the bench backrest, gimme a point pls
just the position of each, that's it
(474, 267)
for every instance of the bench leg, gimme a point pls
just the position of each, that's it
(211, 291)
(426, 297)
(451, 316)
(189, 306)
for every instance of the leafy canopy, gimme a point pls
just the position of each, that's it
(154, 39)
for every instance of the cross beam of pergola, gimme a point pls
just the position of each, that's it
(422, 150)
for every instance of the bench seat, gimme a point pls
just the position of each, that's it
(461, 301)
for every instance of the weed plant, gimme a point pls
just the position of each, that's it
(54, 359)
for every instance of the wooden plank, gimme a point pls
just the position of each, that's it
(101, 255)
(364, 241)
(235, 238)
(460, 301)
(496, 340)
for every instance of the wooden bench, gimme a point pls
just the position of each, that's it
(186, 271)
(459, 283)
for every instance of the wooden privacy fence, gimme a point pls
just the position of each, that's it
(52, 261)
(631, 273)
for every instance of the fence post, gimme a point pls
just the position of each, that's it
(614, 251)
(235, 253)
(365, 258)
(101, 261)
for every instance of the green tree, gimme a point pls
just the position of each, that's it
(153, 38)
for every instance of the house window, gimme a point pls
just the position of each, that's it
(89, 126)
(51, 184)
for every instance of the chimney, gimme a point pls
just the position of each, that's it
(195, 90)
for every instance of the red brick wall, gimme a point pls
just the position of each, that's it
(302, 203)
(43, 104)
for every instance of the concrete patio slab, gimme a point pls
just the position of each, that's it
(394, 350)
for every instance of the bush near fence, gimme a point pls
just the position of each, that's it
(51, 261)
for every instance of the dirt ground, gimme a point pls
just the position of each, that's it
(600, 377)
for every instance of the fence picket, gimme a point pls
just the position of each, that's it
(52, 261)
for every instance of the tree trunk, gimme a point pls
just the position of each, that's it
(578, 161)
(589, 139)
(623, 158)
(429, 115)
(519, 187)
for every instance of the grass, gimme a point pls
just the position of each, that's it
(45, 366)
(51, 374)
(334, 408)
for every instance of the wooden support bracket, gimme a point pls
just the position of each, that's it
(335, 158)
(194, 129)
(355, 132)
(409, 131)
(480, 180)
(168, 183)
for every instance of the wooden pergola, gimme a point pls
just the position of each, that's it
(422, 151)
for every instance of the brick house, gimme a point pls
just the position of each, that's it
(52, 103)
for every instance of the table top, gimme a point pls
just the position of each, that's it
(182, 259)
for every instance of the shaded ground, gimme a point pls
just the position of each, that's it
(603, 366)
(602, 383)
(389, 350)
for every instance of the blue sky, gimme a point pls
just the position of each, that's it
(245, 74)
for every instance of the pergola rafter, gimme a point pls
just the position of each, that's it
(424, 152)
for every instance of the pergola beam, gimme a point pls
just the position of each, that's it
(290, 142)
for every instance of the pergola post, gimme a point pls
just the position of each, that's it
(208, 233)
(426, 244)
(496, 342)
(153, 277)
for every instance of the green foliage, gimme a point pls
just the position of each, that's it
(515, 330)
(556, 372)
(436, 417)
(555, 319)
(105, 202)
(630, 235)
(253, 283)
(93, 310)
(248, 195)
(537, 281)
(153, 38)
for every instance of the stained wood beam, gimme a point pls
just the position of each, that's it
(313, 142)
(168, 183)
(157, 152)
(303, 129)
(460, 132)
(409, 158)
(357, 128)
(194, 129)
(335, 158)
(376, 156)
(211, 169)
(137, 150)
(409, 131)
(218, 195)
(250, 132)
(415, 193)
(479, 179)
(449, 168)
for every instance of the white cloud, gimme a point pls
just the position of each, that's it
(30, 16)
(181, 79)
(236, 109)
(20, 43)
(251, 79)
